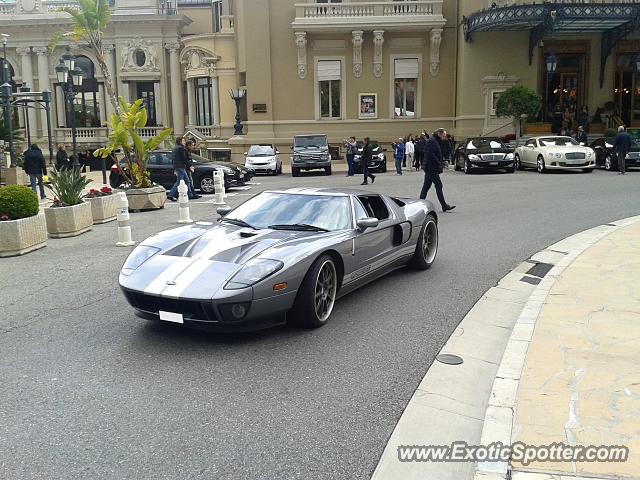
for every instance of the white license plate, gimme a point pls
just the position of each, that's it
(171, 317)
(493, 164)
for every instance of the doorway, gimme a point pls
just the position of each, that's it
(146, 91)
(565, 91)
(626, 90)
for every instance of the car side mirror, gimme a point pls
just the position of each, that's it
(245, 153)
(368, 222)
(223, 211)
(277, 152)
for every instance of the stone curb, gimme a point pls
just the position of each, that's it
(498, 420)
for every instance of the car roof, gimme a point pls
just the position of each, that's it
(337, 192)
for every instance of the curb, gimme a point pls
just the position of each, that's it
(498, 420)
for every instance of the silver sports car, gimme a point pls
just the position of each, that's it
(282, 254)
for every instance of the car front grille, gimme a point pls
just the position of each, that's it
(565, 164)
(190, 309)
(492, 157)
(575, 156)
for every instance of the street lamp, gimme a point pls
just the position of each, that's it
(5, 92)
(552, 63)
(69, 76)
(237, 95)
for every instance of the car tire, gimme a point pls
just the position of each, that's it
(206, 184)
(540, 165)
(327, 170)
(608, 163)
(467, 167)
(295, 172)
(587, 170)
(317, 294)
(383, 169)
(511, 170)
(427, 245)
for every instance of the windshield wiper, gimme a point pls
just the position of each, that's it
(237, 221)
(298, 226)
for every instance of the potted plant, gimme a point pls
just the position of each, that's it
(103, 204)
(22, 227)
(69, 215)
(141, 192)
(520, 103)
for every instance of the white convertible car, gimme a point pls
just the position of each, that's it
(551, 153)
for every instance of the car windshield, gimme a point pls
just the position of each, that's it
(310, 141)
(557, 142)
(476, 143)
(268, 208)
(261, 151)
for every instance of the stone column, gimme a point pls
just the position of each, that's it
(177, 102)
(44, 83)
(27, 80)
(111, 64)
(191, 101)
(215, 99)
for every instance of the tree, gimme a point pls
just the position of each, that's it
(123, 135)
(518, 102)
(90, 20)
(4, 132)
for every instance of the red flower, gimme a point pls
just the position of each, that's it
(93, 190)
(106, 190)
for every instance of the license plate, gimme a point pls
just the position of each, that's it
(493, 164)
(171, 317)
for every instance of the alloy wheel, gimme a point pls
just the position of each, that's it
(430, 241)
(207, 185)
(540, 165)
(325, 290)
(607, 162)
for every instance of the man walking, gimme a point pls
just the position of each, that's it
(432, 166)
(180, 166)
(622, 142)
(398, 153)
(365, 159)
(192, 190)
(35, 167)
(409, 150)
(352, 147)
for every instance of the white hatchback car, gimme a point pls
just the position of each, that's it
(263, 159)
(551, 153)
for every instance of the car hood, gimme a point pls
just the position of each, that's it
(482, 151)
(567, 148)
(196, 261)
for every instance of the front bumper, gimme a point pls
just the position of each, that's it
(492, 165)
(311, 165)
(261, 167)
(214, 315)
(569, 165)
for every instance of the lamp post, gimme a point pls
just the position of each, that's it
(5, 92)
(237, 95)
(25, 109)
(69, 76)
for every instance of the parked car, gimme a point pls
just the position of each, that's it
(310, 152)
(483, 153)
(263, 159)
(554, 153)
(379, 161)
(161, 167)
(292, 252)
(607, 158)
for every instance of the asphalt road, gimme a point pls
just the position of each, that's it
(88, 391)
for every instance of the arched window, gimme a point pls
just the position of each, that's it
(88, 98)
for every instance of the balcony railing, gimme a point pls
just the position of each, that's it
(83, 135)
(148, 132)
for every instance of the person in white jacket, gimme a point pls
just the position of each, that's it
(409, 151)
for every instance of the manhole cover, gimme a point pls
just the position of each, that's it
(449, 359)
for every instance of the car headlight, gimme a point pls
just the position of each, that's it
(140, 254)
(555, 155)
(474, 157)
(509, 156)
(227, 170)
(252, 272)
(589, 153)
(381, 156)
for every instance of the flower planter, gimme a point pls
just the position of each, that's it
(68, 221)
(103, 209)
(146, 198)
(18, 237)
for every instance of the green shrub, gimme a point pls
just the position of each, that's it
(18, 201)
(67, 186)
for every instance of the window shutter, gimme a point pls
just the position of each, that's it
(406, 68)
(329, 70)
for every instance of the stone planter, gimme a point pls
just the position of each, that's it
(103, 209)
(68, 221)
(15, 176)
(18, 237)
(146, 198)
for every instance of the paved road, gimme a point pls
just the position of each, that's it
(91, 392)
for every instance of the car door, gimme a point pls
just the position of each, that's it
(373, 247)
(599, 147)
(530, 154)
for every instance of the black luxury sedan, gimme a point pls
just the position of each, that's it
(483, 153)
(607, 158)
(378, 162)
(161, 167)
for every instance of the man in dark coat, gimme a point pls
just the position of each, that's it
(432, 166)
(180, 165)
(365, 160)
(622, 142)
(62, 160)
(581, 136)
(35, 167)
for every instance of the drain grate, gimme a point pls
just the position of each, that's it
(540, 269)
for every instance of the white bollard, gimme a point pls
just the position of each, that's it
(124, 226)
(183, 203)
(218, 182)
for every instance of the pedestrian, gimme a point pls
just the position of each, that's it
(583, 117)
(365, 159)
(62, 159)
(419, 152)
(432, 166)
(352, 148)
(190, 145)
(409, 151)
(35, 167)
(581, 136)
(398, 155)
(622, 142)
(446, 151)
(180, 167)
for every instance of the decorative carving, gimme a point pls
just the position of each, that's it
(40, 51)
(357, 53)
(301, 43)
(29, 6)
(198, 62)
(378, 41)
(436, 39)
(128, 56)
(23, 51)
(172, 46)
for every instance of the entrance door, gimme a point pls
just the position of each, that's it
(565, 91)
(627, 91)
(146, 92)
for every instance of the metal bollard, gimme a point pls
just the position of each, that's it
(124, 226)
(183, 203)
(218, 182)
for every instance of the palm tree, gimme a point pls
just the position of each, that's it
(90, 20)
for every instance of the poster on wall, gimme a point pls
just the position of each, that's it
(368, 103)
